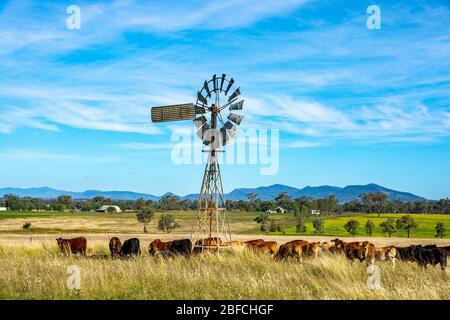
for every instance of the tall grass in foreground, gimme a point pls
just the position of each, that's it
(41, 273)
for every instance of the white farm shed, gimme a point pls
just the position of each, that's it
(105, 208)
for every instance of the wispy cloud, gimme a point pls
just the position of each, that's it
(33, 155)
(325, 81)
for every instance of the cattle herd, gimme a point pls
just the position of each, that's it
(297, 249)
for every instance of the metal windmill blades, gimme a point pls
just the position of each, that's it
(205, 86)
(214, 79)
(237, 105)
(236, 118)
(230, 83)
(175, 112)
(200, 121)
(201, 98)
(222, 80)
(236, 93)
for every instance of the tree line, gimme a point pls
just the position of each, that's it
(375, 202)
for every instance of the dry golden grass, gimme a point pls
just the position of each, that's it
(39, 271)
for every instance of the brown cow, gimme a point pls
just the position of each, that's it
(292, 249)
(210, 241)
(325, 246)
(267, 247)
(208, 245)
(340, 246)
(357, 250)
(158, 246)
(249, 243)
(114, 246)
(260, 245)
(381, 254)
(312, 249)
(238, 246)
(75, 245)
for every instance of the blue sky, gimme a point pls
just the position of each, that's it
(353, 105)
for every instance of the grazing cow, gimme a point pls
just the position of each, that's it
(209, 244)
(266, 247)
(210, 241)
(260, 245)
(130, 247)
(250, 242)
(388, 253)
(158, 246)
(75, 245)
(432, 256)
(182, 247)
(238, 246)
(292, 249)
(340, 246)
(312, 249)
(114, 246)
(405, 254)
(325, 246)
(357, 250)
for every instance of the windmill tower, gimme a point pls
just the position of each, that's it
(211, 228)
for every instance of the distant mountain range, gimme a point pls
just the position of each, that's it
(345, 194)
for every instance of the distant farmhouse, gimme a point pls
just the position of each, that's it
(106, 207)
(277, 210)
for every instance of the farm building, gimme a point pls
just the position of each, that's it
(277, 210)
(105, 208)
(3, 208)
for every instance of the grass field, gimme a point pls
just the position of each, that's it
(65, 222)
(40, 272)
(335, 226)
(240, 222)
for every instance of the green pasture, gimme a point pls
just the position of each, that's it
(334, 226)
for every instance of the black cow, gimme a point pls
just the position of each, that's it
(432, 256)
(130, 247)
(405, 254)
(182, 247)
(428, 246)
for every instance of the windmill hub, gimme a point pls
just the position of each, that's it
(211, 230)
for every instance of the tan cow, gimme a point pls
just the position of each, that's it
(388, 253)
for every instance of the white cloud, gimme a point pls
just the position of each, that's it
(30, 155)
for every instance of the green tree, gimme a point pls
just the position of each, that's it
(13, 202)
(262, 219)
(274, 227)
(144, 216)
(140, 204)
(375, 202)
(352, 227)
(331, 203)
(369, 227)
(300, 227)
(167, 223)
(441, 230)
(170, 201)
(318, 225)
(406, 223)
(388, 226)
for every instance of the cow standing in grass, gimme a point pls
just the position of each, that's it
(75, 245)
(130, 247)
(157, 246)
(114, 246)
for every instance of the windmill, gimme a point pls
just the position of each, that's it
(211, 229)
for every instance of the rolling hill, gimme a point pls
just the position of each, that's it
(344, 194)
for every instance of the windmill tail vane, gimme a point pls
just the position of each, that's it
(211, 229)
